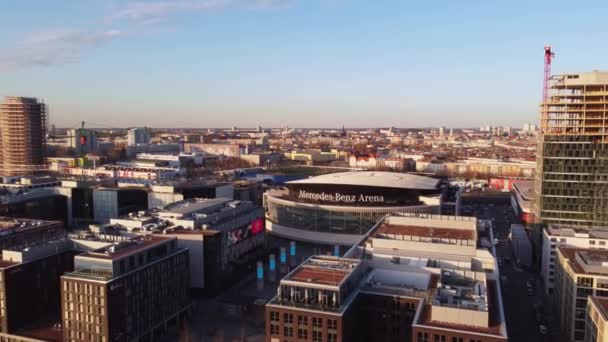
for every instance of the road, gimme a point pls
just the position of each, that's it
(520, 304)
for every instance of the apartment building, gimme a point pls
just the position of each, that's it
(22, 135)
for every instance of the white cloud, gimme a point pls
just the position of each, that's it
(53, 48)
(158, 11)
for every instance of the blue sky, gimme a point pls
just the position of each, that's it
(304, 63)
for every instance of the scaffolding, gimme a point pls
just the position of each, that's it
(22, 136)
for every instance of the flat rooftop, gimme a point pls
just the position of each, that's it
(322, 270)
(494, 326)
(12, 225)
(122, 249)
(431, 232)
(586, 261)
(190, 206)
(602, 305)
(525, 189)
(565, 230)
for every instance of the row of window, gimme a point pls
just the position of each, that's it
(317, 322)
(424, 337)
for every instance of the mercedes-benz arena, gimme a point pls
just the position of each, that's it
(339, 208)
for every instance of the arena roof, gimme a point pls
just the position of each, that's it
(374, 178)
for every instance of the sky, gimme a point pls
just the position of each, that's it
(302, 63)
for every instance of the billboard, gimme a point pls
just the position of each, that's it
(356, 195)
(243, 233)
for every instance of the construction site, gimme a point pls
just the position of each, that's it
(22, 136)
(572, 155)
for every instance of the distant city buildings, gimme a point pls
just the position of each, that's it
(23, 129)
(82, 141)
(137, 136)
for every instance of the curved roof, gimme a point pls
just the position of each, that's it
(374, 178)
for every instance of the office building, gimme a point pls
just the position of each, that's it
(572, 155)
(556, 235)
(125, 292)
(340, 208)
(138, 136)
(222, 236)
(22, 135)
(411, 278)
(580, 273)
(596, 320)
(29, 286)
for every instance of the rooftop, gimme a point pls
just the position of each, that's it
(432, 232)
(323, 270)
(586, 261)
(565, 230)
(602, 305)
(10, 225)
(122, 249)
(374, 178)
(194, 205)
(525, 189)
(494, 326)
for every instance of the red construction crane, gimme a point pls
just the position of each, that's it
(548, 57)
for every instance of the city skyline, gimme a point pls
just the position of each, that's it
(222, 63)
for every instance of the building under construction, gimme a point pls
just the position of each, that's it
(22, 136)
(572, 170)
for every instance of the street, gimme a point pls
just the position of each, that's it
(521, 288)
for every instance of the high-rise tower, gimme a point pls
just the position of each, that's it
(572, 157)
(22, 135)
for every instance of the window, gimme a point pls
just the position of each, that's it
(592, 242)
(563, 240)
(423, 337)
(332, 324)
(317, 336)
(274, 316)
(274, 329)
(602, 243)
(303, 334)
(585, 281)
(317, 322)
(288, 331)
(332, 337)
(287, 318)
(302, 320)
